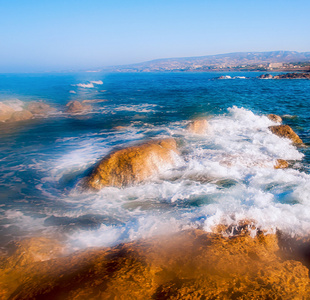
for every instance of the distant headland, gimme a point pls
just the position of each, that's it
(279, 61)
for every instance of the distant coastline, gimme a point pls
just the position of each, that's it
(273, 61)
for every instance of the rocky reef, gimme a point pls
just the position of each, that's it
(76, 107)
(133, 165)
(286, 76)
(191, 264)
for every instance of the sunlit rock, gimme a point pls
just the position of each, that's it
(75, 107)
(134, 164)
(274, 118)
(198, 126)
(40, 108)
(191, 264)
(5, 112)
(281, 164)
(21, 116)
(286, 132)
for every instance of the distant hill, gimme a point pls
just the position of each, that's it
(236, 60)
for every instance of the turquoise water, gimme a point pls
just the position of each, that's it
(221, 177)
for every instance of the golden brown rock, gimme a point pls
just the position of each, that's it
(281, 164)
(198, 126)
(5, 112)
(134, 164)
(188, 265)
(75, 107)
(40, 108)
(21, 116)
(274, 118)
(286, 132)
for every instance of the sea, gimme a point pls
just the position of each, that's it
(225, 176)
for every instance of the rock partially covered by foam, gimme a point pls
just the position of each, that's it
(188, 265)
(281, 164)
(75, 107)
(21, 116)
(286, 132)
(5, 112)
(265, 76)
(134, 164)
(40, 108)
(274, 118)
(198, 126)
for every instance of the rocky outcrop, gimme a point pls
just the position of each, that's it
(286, 132)
(21, 116)
(265, 76)
(76, 107)
(5, 112)
(281, 164)
(40, 108)
(293, 76)
(188, 265)
(274, 118)
(134, 164)
(198, 126)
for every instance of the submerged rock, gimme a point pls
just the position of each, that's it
(40, 108)
(286, 132)
(134, 164)
(21, 116)
(5, 112)
(274, 118)
(198, 126)
(293, 76)
(191, 264)
(75, 107)
(281, 164)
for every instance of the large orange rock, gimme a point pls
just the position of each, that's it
(188, 265)
(286, 132)
(134, 164)
(5, 112)
(198, 126)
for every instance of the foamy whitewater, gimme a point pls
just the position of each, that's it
(222, 177)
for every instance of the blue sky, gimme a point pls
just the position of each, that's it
(46, 35)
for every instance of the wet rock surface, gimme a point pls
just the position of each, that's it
(21, 116)
(134, 164)
(191, 264)
(198, 126)
(274, 118)
(75, 107)
(5, 112)
(40, 108)
(286, 132)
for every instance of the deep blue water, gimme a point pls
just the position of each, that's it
(42, 160)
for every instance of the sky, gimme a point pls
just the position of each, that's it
(58, 35)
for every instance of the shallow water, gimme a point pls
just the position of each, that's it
(221, 177)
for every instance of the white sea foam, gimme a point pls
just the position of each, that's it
(16, 104)
(97, 82)
(84, 85)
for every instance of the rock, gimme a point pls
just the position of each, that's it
(5, 112)
(274, 118)
(265, 76)
(286, 132)
(75, 107)
(198, 126)
(21, 116)
(293, 76)
(40, 108)
(225, 77)
(191, 264)
(134, 164)
(281, 164)
(120, 128)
